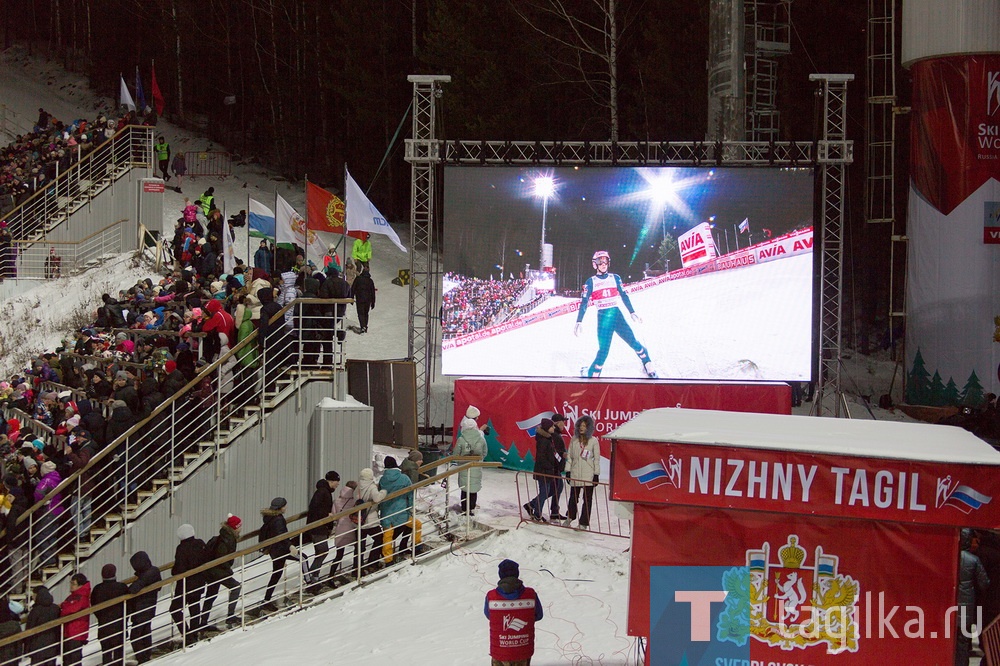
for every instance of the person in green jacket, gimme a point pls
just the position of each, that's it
(162, 149)
(361, 252)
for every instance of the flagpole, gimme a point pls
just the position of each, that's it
(247, 223)
(343, 234)
(305, 240)
(737, 235)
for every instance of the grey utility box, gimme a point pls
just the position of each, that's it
(340, 438)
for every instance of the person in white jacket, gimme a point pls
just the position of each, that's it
(583, 465)
(367, 491)
(471, 442)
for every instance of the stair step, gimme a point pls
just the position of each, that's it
(160, 482)
(146, 493)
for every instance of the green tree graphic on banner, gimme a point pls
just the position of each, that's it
(918, 382)
(972, 394)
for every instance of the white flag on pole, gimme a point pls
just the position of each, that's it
(125, 98)
(362, 215)
(228, 254)
(290, 229)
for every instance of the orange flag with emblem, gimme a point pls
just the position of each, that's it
(325, 211)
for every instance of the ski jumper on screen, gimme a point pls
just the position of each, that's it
(605, 291)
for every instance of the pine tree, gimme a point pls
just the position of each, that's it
(951, 394)
(972, 394)
(917, 385)
(936, 393)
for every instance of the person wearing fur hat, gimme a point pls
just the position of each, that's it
(411, 466)
(471, 442)
(583, 465)
(368, 491)
(512, 610)
(110, 628)
(273, 526)
(320, 507)
(190, 554)
(222, 574)
(545, 469)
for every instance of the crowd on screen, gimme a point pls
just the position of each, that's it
(474, 303)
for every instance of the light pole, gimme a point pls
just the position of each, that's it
(544, 188)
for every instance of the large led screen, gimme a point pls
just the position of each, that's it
(665, 272)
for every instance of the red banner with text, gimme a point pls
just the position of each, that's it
(514, 408)
(806, 483)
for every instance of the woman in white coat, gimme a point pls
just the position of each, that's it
(367, 491)
(583, 463)
(470, 443)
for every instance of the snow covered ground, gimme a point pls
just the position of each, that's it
(424, 614)
(735, 324)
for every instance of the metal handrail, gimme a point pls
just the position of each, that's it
(32, 215)
(468, 462)
(164, 437)
(602, 519)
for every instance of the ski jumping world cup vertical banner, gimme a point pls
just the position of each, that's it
(953, 227)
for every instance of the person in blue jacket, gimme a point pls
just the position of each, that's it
(604, 290)
(395, 513)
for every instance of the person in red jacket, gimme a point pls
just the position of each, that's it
(512, 610)
(219, 321)
(75, 632)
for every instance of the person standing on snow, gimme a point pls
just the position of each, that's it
(363, 293)
(162, 149)
(470, 443)
(512, 610)
(361, 251)
(606, 291)
(583, 467)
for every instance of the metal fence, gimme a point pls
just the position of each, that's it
(157, 620)
(144, 465)
(560, 496)
(54, 202)
(48, 260)
(211, 163)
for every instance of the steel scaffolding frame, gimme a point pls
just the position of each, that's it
(830, 154)
(422, 152)
(833, 153)
(768, 37)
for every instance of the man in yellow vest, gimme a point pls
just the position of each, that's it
(361, 252)
(162, 149)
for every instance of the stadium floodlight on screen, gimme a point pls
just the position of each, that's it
(669, 272)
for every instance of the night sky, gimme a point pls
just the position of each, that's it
(491, 213)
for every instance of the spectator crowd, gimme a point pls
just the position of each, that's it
(475, 303)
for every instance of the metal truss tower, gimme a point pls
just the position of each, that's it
(767, 37)
(422, 152)
(880, 145)
(833, 153)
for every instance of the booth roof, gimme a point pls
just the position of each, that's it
(810, 434)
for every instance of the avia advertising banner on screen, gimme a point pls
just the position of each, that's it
(688, 273)
(697, 246)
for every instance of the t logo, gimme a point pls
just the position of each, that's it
(701, 610)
